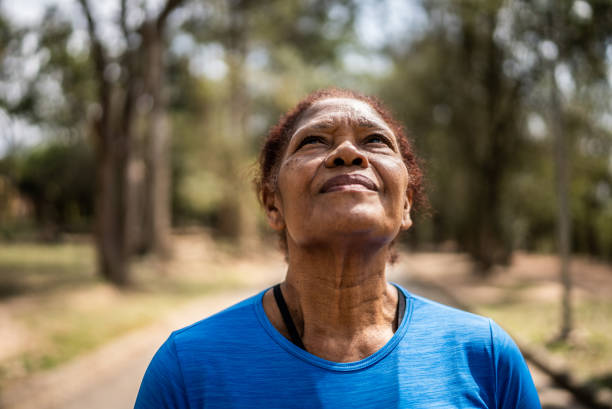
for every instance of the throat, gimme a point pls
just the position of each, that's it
(340, 344)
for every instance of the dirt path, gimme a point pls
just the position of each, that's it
(110, 376)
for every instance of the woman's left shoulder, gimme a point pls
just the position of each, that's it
(450, 321)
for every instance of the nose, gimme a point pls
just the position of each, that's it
(346, 154)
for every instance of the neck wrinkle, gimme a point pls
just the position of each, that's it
(339, 294)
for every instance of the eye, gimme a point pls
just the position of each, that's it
(378, 138)
(310, 140)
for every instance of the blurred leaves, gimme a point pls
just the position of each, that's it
(470, 86)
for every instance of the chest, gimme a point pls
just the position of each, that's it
(389, 384)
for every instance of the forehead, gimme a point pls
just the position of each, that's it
(334, 110)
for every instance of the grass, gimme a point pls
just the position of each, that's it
(32, 268)
(52, 296)
(588, 352)
(67, 332)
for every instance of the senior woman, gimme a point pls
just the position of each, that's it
(338, 180)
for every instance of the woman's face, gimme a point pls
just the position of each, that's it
(342, 176)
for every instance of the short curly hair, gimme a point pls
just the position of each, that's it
(278, 137)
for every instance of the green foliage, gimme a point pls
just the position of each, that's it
(468, 89)
(219, 123)
(468, 86)
(58, 179)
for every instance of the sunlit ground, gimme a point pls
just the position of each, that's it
(53, 307)
(525, 300)
(589, 350)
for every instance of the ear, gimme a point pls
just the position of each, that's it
(273, 208)
(406, 219)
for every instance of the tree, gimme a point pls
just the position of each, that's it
(469, 87)
(242, 28)
(572, 37)
(135, 77)
(466, 110)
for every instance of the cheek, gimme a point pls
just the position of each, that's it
(395, 176)
(295, 175)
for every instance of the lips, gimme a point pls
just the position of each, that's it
(340, 181)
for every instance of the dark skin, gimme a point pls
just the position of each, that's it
(341, 200)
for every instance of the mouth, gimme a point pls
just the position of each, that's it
(348, 182)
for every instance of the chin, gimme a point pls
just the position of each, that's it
(357, 222)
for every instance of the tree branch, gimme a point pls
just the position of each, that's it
(129, 56)
(123, 22)
(168, 8)
(98, 51)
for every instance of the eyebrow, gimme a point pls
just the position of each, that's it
(366, 123)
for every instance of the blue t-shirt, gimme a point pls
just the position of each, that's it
(439, 357)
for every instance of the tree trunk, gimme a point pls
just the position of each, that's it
(557, 128)
(150, 176)
(238, 218)
(563, 212)
(157, 211)
(488, 244)
(111, 201)
(114, 137)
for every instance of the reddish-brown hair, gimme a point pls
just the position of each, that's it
(279, 135)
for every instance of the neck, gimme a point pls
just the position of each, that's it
(340, 300)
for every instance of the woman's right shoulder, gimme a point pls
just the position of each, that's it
(225, 324)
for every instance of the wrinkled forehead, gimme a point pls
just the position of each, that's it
(331, 112)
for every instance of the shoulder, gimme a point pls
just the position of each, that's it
(433, 318)
(184, 358)
(479, 344)
(461, 327)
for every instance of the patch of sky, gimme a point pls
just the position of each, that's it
(16, 133)
(548, 50)
(257, 58)
(565, 80)
(183, 44)
(536, 126)
(371, 62)
(582, 10)
(209, 61)
(384, 22)
(78, 42)
(338, 17)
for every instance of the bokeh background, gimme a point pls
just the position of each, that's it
(129, 132)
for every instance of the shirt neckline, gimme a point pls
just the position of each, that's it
(324, 363)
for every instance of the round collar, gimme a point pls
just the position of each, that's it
(324, 363)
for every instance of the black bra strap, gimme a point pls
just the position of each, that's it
(295, 336)
(282, 306)
(401, 307)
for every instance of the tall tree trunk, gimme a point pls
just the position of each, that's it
(561, 181)
(238, 219)
(114, 137)
(563, 212)
(488, 245)
(112, 201)
(157, 212)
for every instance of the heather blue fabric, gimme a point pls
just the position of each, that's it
(439, 357)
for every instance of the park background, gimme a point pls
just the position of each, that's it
(129, 133)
